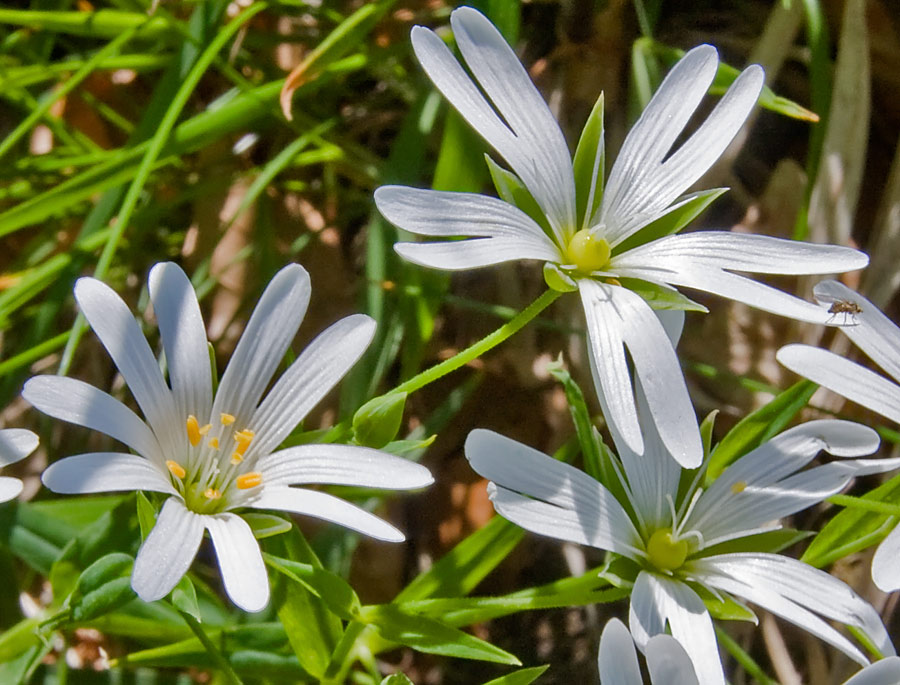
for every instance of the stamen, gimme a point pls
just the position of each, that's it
(212, 493)
(236, 458)
(227, 419)
(193, 430)
(243, 439)
(249, 480)
(176, 469)
(613, 281)
(738, 487)
(214, 443)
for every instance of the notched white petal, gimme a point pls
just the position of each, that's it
(104, 472)
(240, 561)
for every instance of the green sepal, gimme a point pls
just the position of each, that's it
(661, 297)
(184, 598)
(620, 572)
(377, 422)
(588, 165)
(557, 279)
(409, 448)
(770, 542)
(511, 189)
(754, 429)
(266, 525)
(723, 606)
(146, 515)
(706, 432)
(672, 221)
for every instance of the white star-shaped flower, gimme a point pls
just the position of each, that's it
(877, 336)
(675, 531)
(15, 445)
(217, 454)
(667, 661)
(591, 235)
(669, 664)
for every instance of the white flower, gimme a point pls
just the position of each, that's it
(15, 445)
(877, 336)
(590, 232)
(669, 664)
(214, 455)
(675, 532)
(667, 661)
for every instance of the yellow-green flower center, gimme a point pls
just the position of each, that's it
(588, 252)
(666, 553)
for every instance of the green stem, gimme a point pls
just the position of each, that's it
(211, 649)
(865, 504)
(460, 359)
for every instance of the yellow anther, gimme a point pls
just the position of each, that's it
(193, 430)
(243, 439)
(176, 469)
(614, 281)
(213, 443)
(587, 251)
(236, 458)
(212, 493)
(738, 487)
(249, 480)
(227, 419)
(205, 429)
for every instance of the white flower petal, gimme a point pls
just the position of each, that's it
(654, 133)
(883, 672)
(872, 332)
(77, 402)
(16, 444)
(507, 84)
(342, 465)
(104, 472)
(263, 343)
(184, 339)
(662, 185)
(704, 260)
(656, 601)
(791, 589)
(531, 154)
(846, 378)
(116, 328)
(240, 561)
(312, 375)
(568, 503)
(618, 318)
(324, 506)
(668, 663)
(9, 488)
(886, 563)
(757, 488)
(168, 551)
(616, 657)
(500, 231)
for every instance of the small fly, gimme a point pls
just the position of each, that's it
(846, 307)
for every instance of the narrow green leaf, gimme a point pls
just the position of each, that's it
(753, 430)
(581, 417)
(328, 586)
(99, 24)
(431, 636)
(18, 639)
(524, 676)
(589, 165)
(462, 568)
(853, 530)
(184, 598)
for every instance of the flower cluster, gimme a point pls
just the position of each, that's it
(689, 540)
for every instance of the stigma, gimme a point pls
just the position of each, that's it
(587, 251)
